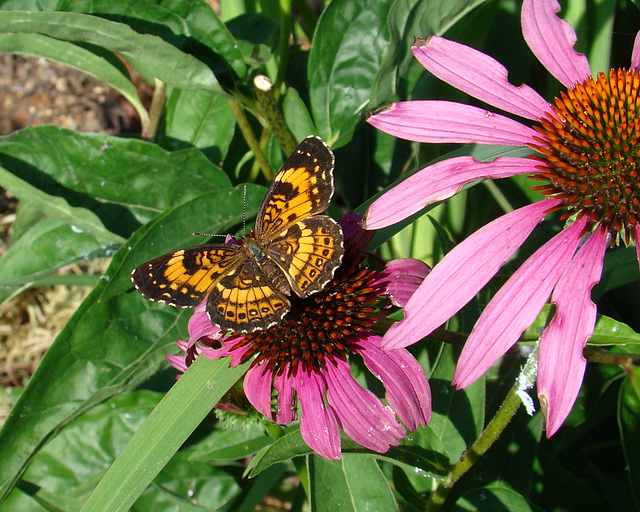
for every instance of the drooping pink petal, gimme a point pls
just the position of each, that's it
(635, 55)
(319, 424)
(257, 388)
(363, 417)
(406, 384)
(200, 325)
(456, 279)
(447, 121)
(551, 39)
(286, 401)
(478, 75)
(516, 305)
(438, 182)
(402, 277)
(561, 364)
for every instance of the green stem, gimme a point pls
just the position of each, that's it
(272, 115)
(155, 112)
(250, 138)
(490, 434)
(285, 32)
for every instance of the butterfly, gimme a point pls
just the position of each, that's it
(293, 249)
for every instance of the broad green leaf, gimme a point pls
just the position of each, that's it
(235, 442)
(201, 120)
(151, 55)
(353, 483)
(492, 498)
(214, 212)
(125, 182)
(254, 33)
(297, 115)
(458, 415)
(181, 23)
(165, 430)
(80, 219)
(607, 331)
(342, 69)
(409, 19)
(629, 423)
(47, 246)
(109, 70)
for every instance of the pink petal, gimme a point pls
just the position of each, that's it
(200, 325)
(319, 423)
(407, 387)
(437, 182)
(478, 75)
(561, 364)
(447, 121)
(286, 400)
(551, 39)
(257, 387)
(516, 305)
(635, 56)
(361, 414)
(456, 279)
(401, 277)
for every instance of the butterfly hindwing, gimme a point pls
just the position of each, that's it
(245, 300)
(307, 253)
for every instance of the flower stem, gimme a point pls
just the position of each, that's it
(272, 114)
(150, 126)
(489, 436)
(250, 138)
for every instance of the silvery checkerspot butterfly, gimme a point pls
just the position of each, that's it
(247, 284)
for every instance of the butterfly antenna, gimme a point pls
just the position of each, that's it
(244, 210)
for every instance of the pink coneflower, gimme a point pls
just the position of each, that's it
(587, 156)
(305, 357)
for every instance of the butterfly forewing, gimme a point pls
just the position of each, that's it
(184, 278)
(303, 187)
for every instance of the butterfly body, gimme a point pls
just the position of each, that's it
(293, 250)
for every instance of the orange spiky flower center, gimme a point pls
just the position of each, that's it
(590, 154)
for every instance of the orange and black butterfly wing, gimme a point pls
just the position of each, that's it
(184, 278)
(309, 253)
(246, 298)
(303, 187)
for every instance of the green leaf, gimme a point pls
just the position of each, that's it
(338, 93)
(354, 483)
(607, 331)
(109, 70)
(149, 54)
(409, 19)
(629, 422)
(297, 115)
(214, 212)
(125, 182)
(201, 120)
(166, 429)
(80, 219)
(495, 497)
(47, 246)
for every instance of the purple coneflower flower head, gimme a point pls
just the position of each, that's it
(586, 161)
(304, 359)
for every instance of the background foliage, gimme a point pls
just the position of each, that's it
(136, 196)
